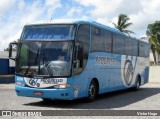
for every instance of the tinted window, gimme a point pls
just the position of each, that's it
(118, 44)
(48, 32)
(128, 46)
(143, 49)
(81, 54)
(147, 49)
(98, 43)
(108, 41)
(83, 36)
(135, 47)
(101, 40)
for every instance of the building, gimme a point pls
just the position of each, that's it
(7, 66)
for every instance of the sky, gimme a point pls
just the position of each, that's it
(14, 14)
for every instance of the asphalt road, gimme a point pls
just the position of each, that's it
(147, 98)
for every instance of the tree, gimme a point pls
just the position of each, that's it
(123, 24)
(153, 34)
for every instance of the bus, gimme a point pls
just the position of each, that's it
(73, 59)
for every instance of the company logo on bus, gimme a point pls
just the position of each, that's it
(128, 72)
(33, 82)
(106, 60)
(44, 82)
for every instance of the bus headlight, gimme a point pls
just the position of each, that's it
(62, 86)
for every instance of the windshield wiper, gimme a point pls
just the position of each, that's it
(46, 64)
(35, 61)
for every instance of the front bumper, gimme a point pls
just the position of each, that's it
(62, 94)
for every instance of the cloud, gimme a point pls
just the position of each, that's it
(140, 12)
(5, 5)
(16, 13)
(148, 14)
(21, 13)
(74, 11)
(103, 8)
(51, 6)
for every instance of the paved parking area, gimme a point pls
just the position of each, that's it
(147, 98)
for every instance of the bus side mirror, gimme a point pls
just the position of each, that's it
(12, 48)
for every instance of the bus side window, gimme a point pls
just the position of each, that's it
(81, 48)
(128, 46)
(118, 44)
(78, 60)
(135, 48)
(143, 49)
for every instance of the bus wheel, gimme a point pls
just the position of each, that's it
(92, 92)
(46, 100)
(137, 85)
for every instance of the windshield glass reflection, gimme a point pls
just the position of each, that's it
(42, 32)
(45, 58)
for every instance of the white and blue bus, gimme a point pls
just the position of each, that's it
(76, 59)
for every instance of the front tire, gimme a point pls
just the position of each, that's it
(137, 85)
(46, 100)
(92, 92)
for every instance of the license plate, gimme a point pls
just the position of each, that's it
(38, 93)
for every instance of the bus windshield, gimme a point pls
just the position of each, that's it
(38, 32)
(45, 58)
